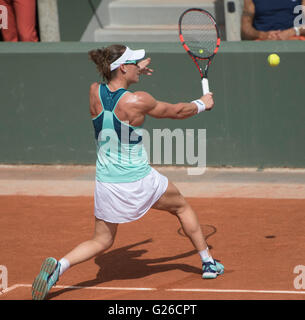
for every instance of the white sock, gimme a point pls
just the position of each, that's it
(64, 265)
(205, 256)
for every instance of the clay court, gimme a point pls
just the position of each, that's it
(253, 221)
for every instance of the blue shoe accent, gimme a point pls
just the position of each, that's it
(46, 279)
(210, 270)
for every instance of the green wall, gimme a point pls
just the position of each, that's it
(258, 119)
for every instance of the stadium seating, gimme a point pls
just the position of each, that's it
(151, 20)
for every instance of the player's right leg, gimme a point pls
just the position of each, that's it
(51, 269)
(102, 240)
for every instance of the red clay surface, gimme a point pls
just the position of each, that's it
(259, 241)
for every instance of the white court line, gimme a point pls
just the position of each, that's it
(78, 287)
(105, 288)
(10, 289)
(154, 289)
(237, 291)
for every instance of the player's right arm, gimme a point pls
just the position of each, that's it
(160, 109)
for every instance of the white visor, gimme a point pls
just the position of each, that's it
(127, 56)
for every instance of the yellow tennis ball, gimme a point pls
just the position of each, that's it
(273, 60)
(201, 51)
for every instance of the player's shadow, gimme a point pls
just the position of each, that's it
(124, 263)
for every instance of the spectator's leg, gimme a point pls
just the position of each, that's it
(26, 20)
(9, 34)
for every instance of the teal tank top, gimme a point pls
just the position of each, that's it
(121, 156)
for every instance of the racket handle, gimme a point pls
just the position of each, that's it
(205, 86)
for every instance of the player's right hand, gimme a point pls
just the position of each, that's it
(208, 100)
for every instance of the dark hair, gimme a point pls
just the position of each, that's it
(104, 57)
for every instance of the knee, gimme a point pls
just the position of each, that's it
(104, 242)
(179, 207)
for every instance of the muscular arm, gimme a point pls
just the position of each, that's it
(158, 109)
(174, 111)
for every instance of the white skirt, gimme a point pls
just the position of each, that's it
(126, 202)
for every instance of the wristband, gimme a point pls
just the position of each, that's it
(200, 105)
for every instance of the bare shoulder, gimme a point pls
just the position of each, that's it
(95, 106)
(140, 99)
(139, 96)
(93, 87)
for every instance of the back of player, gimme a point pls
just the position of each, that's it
(121, 156)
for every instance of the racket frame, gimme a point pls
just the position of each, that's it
(195, 58)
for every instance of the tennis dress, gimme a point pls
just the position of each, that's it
(126, 185)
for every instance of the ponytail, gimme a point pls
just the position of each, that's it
(104, 57)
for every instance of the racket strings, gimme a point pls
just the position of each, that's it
(199, 33)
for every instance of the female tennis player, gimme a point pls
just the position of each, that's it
(126, 185)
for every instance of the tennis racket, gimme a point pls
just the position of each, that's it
(199, 36)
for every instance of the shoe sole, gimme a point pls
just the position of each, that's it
(40, 284)
(213, 275)
(209, 275)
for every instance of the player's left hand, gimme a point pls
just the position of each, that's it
(143, 67)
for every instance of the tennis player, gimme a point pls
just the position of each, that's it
(126, 185)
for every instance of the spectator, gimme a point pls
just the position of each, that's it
(21, 16)
(271, 20)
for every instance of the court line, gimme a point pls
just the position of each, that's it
(16, 286)
(237, 291)
(105, 288)
(10, 289)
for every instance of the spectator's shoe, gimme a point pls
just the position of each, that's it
(46, 279)
(211, 269)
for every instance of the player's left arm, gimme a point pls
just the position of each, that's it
(143, 65)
